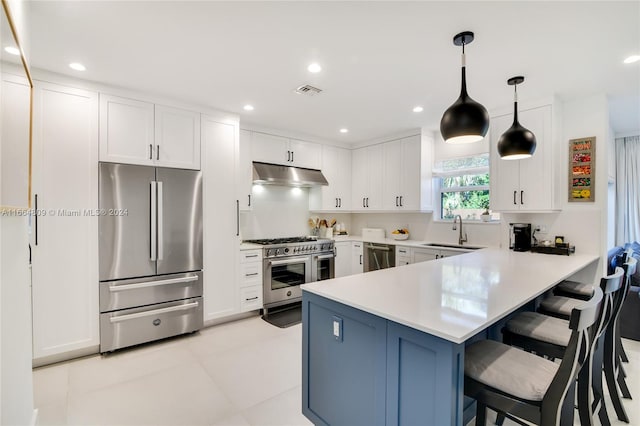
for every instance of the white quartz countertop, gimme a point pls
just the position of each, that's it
(454, 297)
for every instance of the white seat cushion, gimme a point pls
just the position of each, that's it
(560, 304)
(583, 289)
(540, 327)
(509, 370)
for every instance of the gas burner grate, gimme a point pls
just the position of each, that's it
(287, 240)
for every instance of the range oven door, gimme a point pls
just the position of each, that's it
(283, 277)
(323, 267)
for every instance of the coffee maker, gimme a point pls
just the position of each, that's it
(520, 236)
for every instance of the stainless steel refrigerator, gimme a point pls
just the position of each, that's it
(150, 225)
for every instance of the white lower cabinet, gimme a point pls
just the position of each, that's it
(220, 216)
(406, 255)
(64, 238)
(343, 259)
(403, 255)
(250, 280)
(357, 259)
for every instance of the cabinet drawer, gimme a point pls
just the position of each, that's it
(250, 298)
(250, 256)
(250, 274)
(139, 325)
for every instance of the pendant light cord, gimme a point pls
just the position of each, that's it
(515, 103)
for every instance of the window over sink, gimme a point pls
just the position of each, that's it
(463, 187)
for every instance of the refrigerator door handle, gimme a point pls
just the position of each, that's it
(153, 221)
(136, 286)
(127, 317)
(160, 228)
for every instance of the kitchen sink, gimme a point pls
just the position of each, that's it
(453, 246)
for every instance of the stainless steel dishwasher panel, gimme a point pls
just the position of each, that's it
(125, 294)
(130, 327)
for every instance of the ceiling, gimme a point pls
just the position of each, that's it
(379, 59)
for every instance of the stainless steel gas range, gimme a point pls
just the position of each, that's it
(290, 262)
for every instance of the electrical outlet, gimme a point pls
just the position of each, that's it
(541, 229)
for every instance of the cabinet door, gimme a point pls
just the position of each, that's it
(343, 259)
(359, 182)
(177, 138)
(357, 261)
(336, 167)
(343, 182)
(536, 178)
(403, 255)
(270, 149)
(65, 243)
(245, 171)
(505, 174)
(126, 131)
(391, 171)
(410, 174)
(375, 177)
(305, 154)
(422, 255)
(221, 215)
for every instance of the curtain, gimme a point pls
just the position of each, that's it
(627, 189)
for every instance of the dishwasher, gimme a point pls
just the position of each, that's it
(377, 254)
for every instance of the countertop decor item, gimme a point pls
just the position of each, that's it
(400, 234)
(465, 121)
(582, 169)
(517, 142)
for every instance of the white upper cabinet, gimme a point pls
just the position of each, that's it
(367, 165)
(336, 167)
(126, 131)
(402, 180)
(528, 184)
(273, 149)
(245, 171)
(135, 132)
(177, 138)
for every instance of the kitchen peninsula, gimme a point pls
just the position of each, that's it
(387, 347)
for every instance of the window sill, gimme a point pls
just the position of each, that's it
(469, 222)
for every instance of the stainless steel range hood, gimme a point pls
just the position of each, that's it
(276, 174)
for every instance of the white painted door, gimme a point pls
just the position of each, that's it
(221, 215)
(126, 131)
(359, 181)
(65, 239)
(422, 255)
(177, 138)
(357, 264)
(270, 149)
(505, 174)
(391, 172)
(410, 174)
(343, 182)
(343, 259)
(245, 171)
(336, 167)
(305, 154)
(375, 164)
(536, 178)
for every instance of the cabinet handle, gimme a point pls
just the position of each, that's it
(292, 156)
(339, 202)
(250, 255)
(288, 156)
(401, 201)
(396, 201)
(251, 275)
(514, 197)
(237, 218)
(150, 152)
(361, 259)
(251, 298)
(336, 202)
(363, 203)
(521, 197)
(36, 219)
(249, 203)
(157, 152)
(367, 202)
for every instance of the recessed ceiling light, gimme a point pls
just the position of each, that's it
(418, 109)
(314, 67)
(77, 66)
(12, 50)
(248, 107)
(631, 59)
(343, 130)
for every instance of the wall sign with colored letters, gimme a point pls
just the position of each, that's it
(582, 169)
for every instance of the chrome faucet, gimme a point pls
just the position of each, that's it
(460, 238)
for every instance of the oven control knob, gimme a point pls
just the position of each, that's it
(286, 250)
(288, 293)
(269, 252)
(277, 252)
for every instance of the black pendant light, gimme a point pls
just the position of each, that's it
(466, 120)
(517, 142)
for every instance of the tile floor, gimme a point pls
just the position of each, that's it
(243, 373)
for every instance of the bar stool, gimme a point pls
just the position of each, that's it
(521, 385)
(549, 336)
(557, 306)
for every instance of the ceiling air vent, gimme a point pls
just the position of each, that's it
(307, 90)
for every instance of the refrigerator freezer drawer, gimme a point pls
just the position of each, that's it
(125, 294)
(139, 325)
